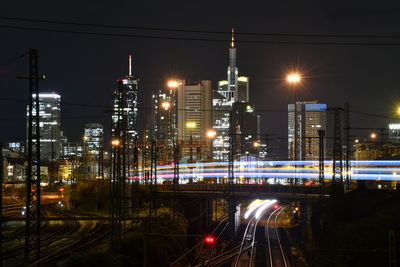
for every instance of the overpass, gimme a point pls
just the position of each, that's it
(244, 191)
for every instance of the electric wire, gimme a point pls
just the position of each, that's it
(129, 27)
(163, 37)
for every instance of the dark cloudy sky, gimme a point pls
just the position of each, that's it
(83, 68)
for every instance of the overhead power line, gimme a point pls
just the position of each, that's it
(128, 27)
(162, 37)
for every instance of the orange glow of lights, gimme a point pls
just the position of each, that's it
(173, 84)
(165, 105)
(211, 133)
(293, 78)
(115, 142)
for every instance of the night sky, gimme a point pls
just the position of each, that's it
(84, 68)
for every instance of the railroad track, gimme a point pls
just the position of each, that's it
(50, 234)
(275, 256)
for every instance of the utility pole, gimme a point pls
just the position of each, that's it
(337, 172)
(176, 167)
(33, 212)
(347, 133)
(118, 174)
(321, 134)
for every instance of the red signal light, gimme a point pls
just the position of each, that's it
(209, 240)
(276, 206)
(61, 189)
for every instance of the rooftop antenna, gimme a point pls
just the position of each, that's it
(130, 65)
(233, 38)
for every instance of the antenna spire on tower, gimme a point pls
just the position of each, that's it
(130, 65)
(233, 38)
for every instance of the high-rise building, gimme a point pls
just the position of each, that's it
(234, 89)
(49, 124)
(394, 132)
(126, 94)
(194, 117)
(304, 121)
(245, 130)
(72, 150)
(163, 121)
(17, 147)
(93, 138)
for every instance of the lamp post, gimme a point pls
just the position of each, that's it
(293, 79)
(173, 86)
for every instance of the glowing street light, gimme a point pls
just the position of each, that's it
(173, 84)
(398, 110)
(373, 135)
(115, 142)
(256, 144)
(165, 105)
(293, 78)
(211, 133)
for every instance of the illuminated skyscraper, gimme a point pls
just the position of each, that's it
(245, 129)
(49, 124)
(234, 89)
(163, 129)
(304, 123)
(194, 115)
(93, 137)
(127, 92)
(394, 132)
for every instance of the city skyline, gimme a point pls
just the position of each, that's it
(199, 133)
(330, 70)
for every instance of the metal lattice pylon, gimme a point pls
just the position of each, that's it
(33, 212)
(321, 135)
(337, 174)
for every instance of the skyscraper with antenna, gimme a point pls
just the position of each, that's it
(234, 89)
(127, 91)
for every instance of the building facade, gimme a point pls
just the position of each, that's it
(304, 121)
(93, 138)
(234, 89)
(49, 124)
(163, 128)
(194, 117)
(245, 130)
(126, 96)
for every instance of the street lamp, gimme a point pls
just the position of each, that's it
(115, 142)
(173, 84)
(293, 78)
(373, 136)
(256, 144)
(211, 133)
(165, 105)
